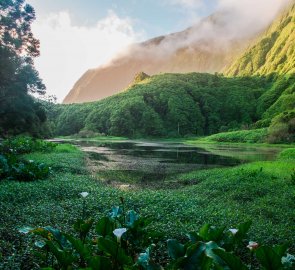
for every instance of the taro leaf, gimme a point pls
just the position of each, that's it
(242, 230)
(195, 259)
(209, 247)
(194, 237)
(144, 260)
(288, 261)
(268, 258)
(131, 218)
(116, 212)
(40, 244)
(203, 232)
(200, 256)
(215, 234)
(175, 249)
(105, 226)
(83, 227)
(58, 236)
(64, 258)
(99, 263)
(281, 249)
(232, 261)
(25, 230)
(211, 233)
(114, 250)
(81, 248)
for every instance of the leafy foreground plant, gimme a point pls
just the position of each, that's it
(13, 167)
(116, 242)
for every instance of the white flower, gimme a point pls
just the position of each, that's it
(252, 245)
(233, 231)
(119, 232)
(84, 194)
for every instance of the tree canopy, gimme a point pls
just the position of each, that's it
(19, 111)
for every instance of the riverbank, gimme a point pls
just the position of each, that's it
(260, 191)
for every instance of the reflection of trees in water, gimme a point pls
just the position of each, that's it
(159, 174)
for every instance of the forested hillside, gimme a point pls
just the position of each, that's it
(257, 91)
(274, 54)
(163, 105)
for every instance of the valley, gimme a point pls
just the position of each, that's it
(177, 154)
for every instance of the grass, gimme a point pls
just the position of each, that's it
(241, 136)
(260, 191)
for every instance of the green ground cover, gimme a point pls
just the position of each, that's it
(262, 192)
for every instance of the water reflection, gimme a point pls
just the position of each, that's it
(145, 161)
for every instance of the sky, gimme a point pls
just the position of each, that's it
(77, 35)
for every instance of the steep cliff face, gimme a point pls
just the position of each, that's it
(273, 53)
(206, 47)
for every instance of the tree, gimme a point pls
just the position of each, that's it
(19, 111)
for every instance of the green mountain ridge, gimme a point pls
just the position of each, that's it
(274, 53)
(256, 91)
(191, 50)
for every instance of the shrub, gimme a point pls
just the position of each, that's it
(242, 136)
(282, 128)
(24, 145)
(28, 171)
(13, 167)
(287, 154)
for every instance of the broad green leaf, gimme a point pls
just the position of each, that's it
(268, 258)
(281, 249)
(144, 260)
(194, 237)
(195, 258)
(116, 212)
(288, 261)
(243, 230)
(105, 226)
(83, 226)
(131, 218)
(175, 249)
(233, 262)
(209, 247)
(211, 233)
(40, 244)
(113, 249)
(25, 230)
(81, 248)
(64, 258)
(203, 232)
(100, 263)
(58, 236)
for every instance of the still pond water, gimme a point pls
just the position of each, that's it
(146, 160)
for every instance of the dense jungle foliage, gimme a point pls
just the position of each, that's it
(182, 105)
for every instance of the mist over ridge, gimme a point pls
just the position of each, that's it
(209, 46)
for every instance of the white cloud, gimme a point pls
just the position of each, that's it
(190, 8)
(249, 15)
(67, 51)
(187, 3)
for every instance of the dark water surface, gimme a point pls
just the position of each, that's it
(145, 160)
